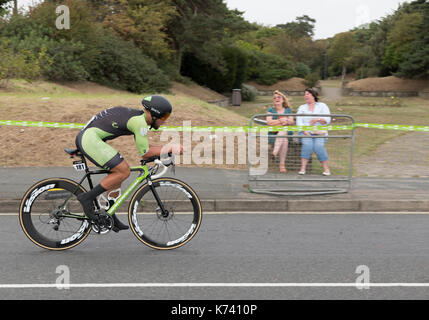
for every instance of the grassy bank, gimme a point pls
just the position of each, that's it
(77, 103)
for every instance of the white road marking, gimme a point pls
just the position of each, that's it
(212, 284)
(291, 213)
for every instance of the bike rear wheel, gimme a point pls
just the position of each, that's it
(174, 227)
(51, 216)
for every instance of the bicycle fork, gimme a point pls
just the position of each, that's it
(158, 200)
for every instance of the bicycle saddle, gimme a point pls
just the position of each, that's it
(73, 152)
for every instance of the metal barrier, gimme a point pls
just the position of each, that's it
(266, 178)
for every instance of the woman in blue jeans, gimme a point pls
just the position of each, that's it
(317, 143)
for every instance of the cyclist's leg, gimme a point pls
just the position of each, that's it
(112, 182)
(103, 155)
(119, 173)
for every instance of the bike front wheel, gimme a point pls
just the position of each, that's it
(172, 227)
(51, 216)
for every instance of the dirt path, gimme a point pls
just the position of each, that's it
(402, 157)
(331, 94)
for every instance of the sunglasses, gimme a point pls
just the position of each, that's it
(165, 116)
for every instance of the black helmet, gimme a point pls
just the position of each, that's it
(159, 107)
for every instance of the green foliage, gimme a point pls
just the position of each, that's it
(122, 65)
(394, 45)
(311, 80)
(141, 45)
(416, 63)
(203, 73)
(302, 27)
(237, 62)
(202, 28)
(341, 48)
(23, 64)
(263, 67)
(67, 63)
(82, 23)
(302, 70)
(144, 22)
(400, 37)
(86, 53)
(63, 60)
(266, 68)
(248, 93)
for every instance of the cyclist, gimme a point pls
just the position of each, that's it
(110, 124)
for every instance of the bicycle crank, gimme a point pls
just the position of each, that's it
(103, 224)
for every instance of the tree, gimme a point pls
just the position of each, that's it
(204, 74)
(263, 67)
(142, 21)
(291, 48)
(416, 62)
(201, 27)
(362, 58)
(302, 27)
(340, 51)
(404, 32)
(122, 65)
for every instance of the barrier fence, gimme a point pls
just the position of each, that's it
(338, 145)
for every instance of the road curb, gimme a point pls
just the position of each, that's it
(283, 205)
(9, 206)
(330, 205)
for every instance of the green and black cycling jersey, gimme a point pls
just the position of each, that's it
(110, 124)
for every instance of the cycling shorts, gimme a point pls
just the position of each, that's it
(90, 142)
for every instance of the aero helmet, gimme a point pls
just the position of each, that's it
(159, 107)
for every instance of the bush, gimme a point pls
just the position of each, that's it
(19, 64)
(85, 53)
(311, 80)
(248, 93)
(121, 65)
(59, 60)
(221, 81)
(267, 69)
(67, 63)
(301, 70)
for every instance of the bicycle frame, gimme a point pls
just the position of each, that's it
(144, 174)
(137, 181)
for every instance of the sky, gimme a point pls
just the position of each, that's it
(332, 16)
